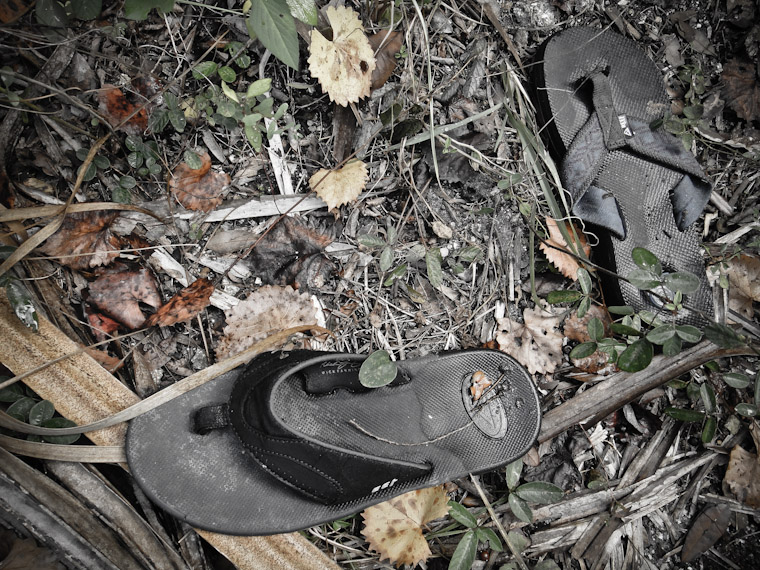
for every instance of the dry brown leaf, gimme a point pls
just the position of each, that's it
(741, 89)
(116, 107)
(743, 274)
(394, 528)
(12, 10)
(119, 295)
(343, 66)
(708, 527)
(341, 186)
(742, 477)
(565, 263)
(577, 329)
(110, 363)
(199, 189)
(266, 310)
(101, 325)
(84, 240)
(185, 305)
(385, 58)
(536, 344)
(24, 554)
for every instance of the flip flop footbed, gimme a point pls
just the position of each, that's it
(213, 482)
(642, 186)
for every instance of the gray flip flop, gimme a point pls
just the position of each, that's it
(597, 97)
(295, 440)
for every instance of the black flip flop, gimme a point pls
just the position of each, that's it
(295, 440)
(597, 97)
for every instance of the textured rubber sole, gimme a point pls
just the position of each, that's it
(641, 188)
(210, 482)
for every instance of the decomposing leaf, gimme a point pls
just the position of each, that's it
(184, 306)
(12, 10)
(101, 325)
(394, 528)
(385, 45)
(119, 294)
(117, 108)
(708, 527)
(741, 89)
(341, 186)
(743, 274)
(552, 247)
(343, 66)
(478, 384)
(577, 329)
(84, 240)
(266, 310)
(23, 553)
(291, 254)
(110, 363)
(536, 344)
(198, 189)
(742, 477)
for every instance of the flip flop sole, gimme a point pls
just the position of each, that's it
(641, 187)
(210, 481)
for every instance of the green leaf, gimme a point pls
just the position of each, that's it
(517, 541)
(121, 195)
(51, 13)
(138, 9)
(583, 307)
(101, 162)
(20, 408)
(723, 336)
(757, 388)
(460, 514)
(10, 393)
(158, 120)
(672, 346)
(397, 273)
(685, 415)
(619, 328)
(546, 564)
(127, 182)
(708, 397)
(377, 370)
(744, 409)
(226, 73)
(643, 279)
(205, 69)
(583, 350)
(386, 258)
(304, 10)
(689, 333)
(489, 536)
(86, 9)
(637, 356)
(595, 329)
(620, 310)
(178, 120)
(60, 439)
(512, 474)
(683, 281)
(465, 552)
(370, 241)
(22, 304)
(433, 261)
(645, 259)
(584, 279)
(556, 297)
(258, 87)
(40, 412)
(708, 432)
(660, 334)
(470, 253)
(275, 27)
(192, 159)
(693, 112)
(736, 380)
(539, 492)
(520, 508)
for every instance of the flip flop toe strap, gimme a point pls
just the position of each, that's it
(607, 130)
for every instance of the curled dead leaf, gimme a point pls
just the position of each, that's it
(386, 45)
(536, 343)
(117, 108)
(266, 310)
(198, 189)
(708, 527)
(185, 305)
(343, 66)
(394, 528)
(119, 294)
(743, 274)
(742, 477)
(555, 247)
(102, 326)
(84, 240)
(341, 186)
(741, 89)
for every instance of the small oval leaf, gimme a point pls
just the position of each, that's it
(556, 297)
(637, 356)
(685, 415)
(40, 412)
(736, 380)
(460, 514)
(377, 370)
(746, 410)
(645, 259)
(539, 492)
(682, 281)
(583, 350)
(520, 508)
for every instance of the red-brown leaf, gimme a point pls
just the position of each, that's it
(117, 108)
(708, 527)
(385, 59)
(101, 325)
(199, 189)
(184, 306)
(84, 240)
(119, 295)
(741, 89)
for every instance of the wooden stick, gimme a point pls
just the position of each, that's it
(84, 391)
